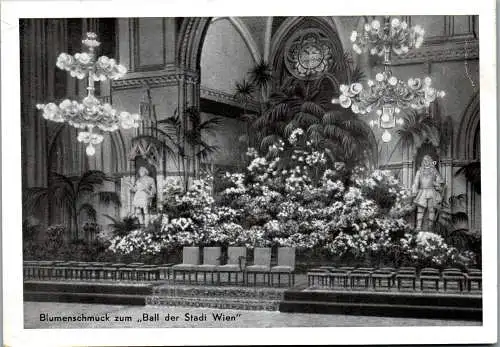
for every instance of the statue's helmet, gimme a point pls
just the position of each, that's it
(427, 161)
(143, 171)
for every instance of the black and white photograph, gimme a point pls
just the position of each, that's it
(325, 170)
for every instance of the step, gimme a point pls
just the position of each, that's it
(220, 292)
(390, 310)
(393, 298)
(219, 303)
(85, 298)
(86, 287)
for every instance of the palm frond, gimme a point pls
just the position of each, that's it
(167, 131)
(210, 124)
(305, 119)
(315, 133)
(357, 75)
(60, 180)
(274, 114)
(331, 118)
(91, 178)
(269, 141)
(261, 75)
(290, 127)
(124, 226)
(207, 151)
(173, 121)
(112, 219)
(243, 91)
(312, 108)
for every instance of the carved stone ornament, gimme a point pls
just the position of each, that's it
(309, 54)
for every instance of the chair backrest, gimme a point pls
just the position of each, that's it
(286, 257)
(347, 268)
(452, 269)
(429, 271)
(211, 255)
(234, 254)
(328, 268)
(262, 256)
(364, 269)
(191, 255)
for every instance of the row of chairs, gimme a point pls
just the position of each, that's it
(388, 277)
(236, 265)
(73, 270)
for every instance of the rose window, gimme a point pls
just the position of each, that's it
(309, 55)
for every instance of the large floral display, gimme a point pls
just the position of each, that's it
(295, 195)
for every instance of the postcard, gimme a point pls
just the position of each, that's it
(215, 173)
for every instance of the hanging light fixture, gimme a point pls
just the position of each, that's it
(387, 95)
(91, 116)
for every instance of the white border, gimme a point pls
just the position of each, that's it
(14, 333)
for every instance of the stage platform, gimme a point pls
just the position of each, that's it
(393, 303)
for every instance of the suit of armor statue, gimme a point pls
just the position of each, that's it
(426, 189)
(144, 189)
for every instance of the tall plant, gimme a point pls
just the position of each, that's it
(68, 194)
(244, 91)
(261, 76)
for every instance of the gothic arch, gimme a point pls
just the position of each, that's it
(190, 42)
(467, 130)
(327, 25)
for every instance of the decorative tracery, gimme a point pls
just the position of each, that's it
(308, 54)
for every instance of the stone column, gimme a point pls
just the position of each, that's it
(446, 170)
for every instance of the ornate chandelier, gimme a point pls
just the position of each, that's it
(387, 95)
(92, 116)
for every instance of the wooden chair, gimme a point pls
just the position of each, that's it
(148, 272)
(474, 276)
(190, 258)
(211, 260)
(30, 269)
(429, 275)
(321, 274)
(93, 270)
(362, 274)
(387, 274)
(286, 265)
(165, 270)
(406, 274)
(261, 265)
(453, 275)
(45, 269)
(236, 263)
(341, 276)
